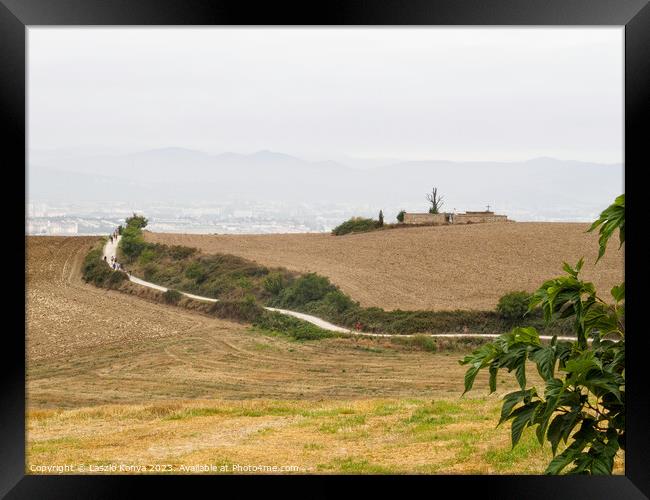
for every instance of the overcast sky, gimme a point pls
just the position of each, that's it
(407, 93)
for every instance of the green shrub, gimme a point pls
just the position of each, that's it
(244, 283)
(355, 225)
(513, 305)
(420, 342)
(96, 270)
(172, 296)
(400, 216)
(425, 342)
(218, 288)
(274, 283)
(115, 278)
(137, 221)
(196, 272)
(150, 271)
(132, 242)
(290, 326)
(179, 252)
(308, 288)
(339, 301)
(246, 311)
(146, 256)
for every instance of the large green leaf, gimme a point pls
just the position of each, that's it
(545, 359)
(470, 375)
(562, 460)
(511, 399)
(580, 365)
(618, 292)
(601, 383)
(612, 218)
(493, 378)
(560, 428)
(478, 359)
(524, 335)
(601, 318)
(522, 417)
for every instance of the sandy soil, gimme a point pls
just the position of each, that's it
(446, 267)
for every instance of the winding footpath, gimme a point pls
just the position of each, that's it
(110, 251)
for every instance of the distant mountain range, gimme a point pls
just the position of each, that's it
(540, 185)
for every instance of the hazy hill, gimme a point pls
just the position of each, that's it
(544, 186)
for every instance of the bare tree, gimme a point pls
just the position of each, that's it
(435, 200)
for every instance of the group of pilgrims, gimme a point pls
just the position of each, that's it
(115, 265)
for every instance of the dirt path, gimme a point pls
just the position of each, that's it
(111, 248)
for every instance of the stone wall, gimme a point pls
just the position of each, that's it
(477, 218)
(425, 218)
(447, 218)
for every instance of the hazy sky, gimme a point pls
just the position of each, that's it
(407, 93)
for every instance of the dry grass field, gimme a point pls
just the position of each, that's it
(351, 436)
(440, 268)
(115, 379)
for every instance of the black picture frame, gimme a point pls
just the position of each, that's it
(16, 15)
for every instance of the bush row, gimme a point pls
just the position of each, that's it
(356, 225)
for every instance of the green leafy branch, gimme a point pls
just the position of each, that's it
(583, 400)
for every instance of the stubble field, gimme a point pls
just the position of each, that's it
(439, 268)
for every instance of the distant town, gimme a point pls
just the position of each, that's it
(222, 218)
(225, 217)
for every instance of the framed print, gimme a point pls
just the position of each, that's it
(380, 242)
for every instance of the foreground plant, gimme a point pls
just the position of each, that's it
(583, 401)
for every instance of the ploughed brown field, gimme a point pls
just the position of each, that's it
(440, 268)
(115, 380)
